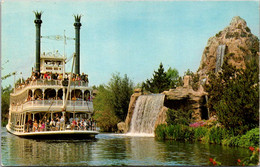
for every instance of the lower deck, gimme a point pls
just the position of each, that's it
(59, 134)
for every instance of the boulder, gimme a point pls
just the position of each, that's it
(121, 127)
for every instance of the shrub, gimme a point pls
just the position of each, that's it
(248, 29)
(175, 117)
(216, 134)
(251, 138)
(200, 132)
(160, 132)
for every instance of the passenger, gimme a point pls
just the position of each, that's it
(78, 125)
(26, 127)
(85, 125)
(82, 77)
(60, 77)
(40, 125)
(74, 124)
(62, 123)
(43, 126)
(35, 126)
(47, 126)
(49, 77)
(52, 124)
(82, 127)
(30, 125)
(45, 76)
(58, 124)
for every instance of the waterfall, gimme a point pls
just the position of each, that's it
(145, 114)
(220, 56)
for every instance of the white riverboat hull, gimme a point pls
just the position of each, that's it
(65, 134)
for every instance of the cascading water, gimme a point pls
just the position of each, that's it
(220, 56)
(145, 114)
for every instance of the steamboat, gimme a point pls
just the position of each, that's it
(51, 103)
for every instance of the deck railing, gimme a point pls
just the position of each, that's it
(53, 103)
(41, 82)
(69, 126)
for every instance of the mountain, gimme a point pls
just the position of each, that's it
(238, 44)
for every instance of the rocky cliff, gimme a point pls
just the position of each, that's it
(240, 45)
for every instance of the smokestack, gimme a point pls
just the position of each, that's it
(38, 23)
(77, 25)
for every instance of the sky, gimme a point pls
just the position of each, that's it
(129, 37)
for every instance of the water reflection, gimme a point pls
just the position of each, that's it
(109, 149)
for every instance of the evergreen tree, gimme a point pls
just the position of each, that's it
(159, 83)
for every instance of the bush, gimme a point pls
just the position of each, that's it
(215, 135)
(175, 117)
(251, 138)
(160, 132)
(200, 132)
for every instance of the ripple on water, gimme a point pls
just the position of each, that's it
(112, 149)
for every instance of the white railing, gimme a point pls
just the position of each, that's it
(41, 82)
(86, 105)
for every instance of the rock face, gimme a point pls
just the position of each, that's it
(161, 117)
(137, 93)
(186, 98)
(240, 45)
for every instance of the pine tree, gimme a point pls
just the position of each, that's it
(159, 83)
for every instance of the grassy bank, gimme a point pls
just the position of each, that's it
(216, 135)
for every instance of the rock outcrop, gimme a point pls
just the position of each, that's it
(137, 93)
(185, 98)
(240, 45)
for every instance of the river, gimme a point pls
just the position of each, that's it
(112, 149)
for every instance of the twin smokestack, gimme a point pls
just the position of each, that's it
(77, 26)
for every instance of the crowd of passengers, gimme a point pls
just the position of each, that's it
(59, 124)
(49, 76)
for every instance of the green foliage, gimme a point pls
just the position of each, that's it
(112, 101)
(194, 79)
(5, 102)
(174, 132)
(178, 117)
(251, 138)
(233, 95)
(104, 113)
(160, 132)
(173, 75)
(159, 83)
(122, 89)
(248, 29)
(216, 135)
(200, 132)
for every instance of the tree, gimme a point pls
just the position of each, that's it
(194, 79)
(159, 83)
(233, 96)
(112, 101)
(122, 89)
(173, 76)
(5, 102)
(104, 113)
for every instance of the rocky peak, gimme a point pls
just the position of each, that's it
(239, 43)
(237, 22)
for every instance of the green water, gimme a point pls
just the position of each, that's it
(111, 149)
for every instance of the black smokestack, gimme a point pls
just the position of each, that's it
(77, 25)
(38, 23)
